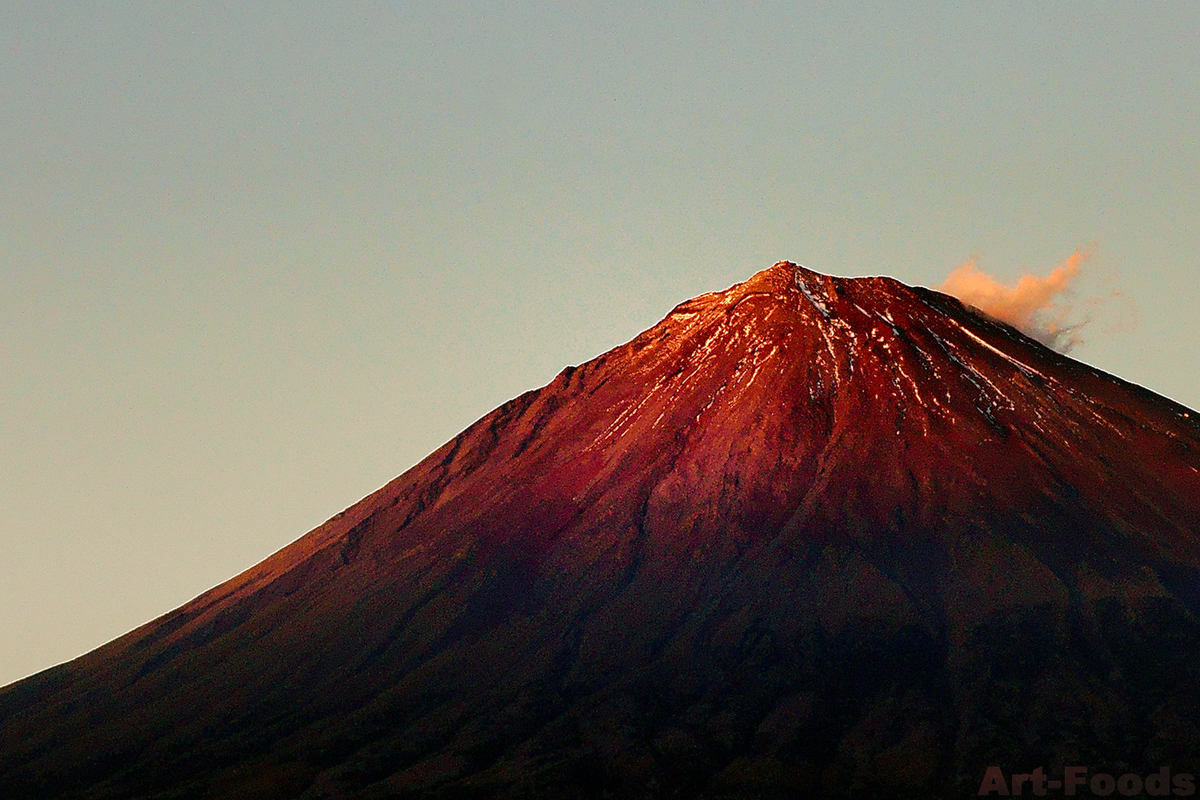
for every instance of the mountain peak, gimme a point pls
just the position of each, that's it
(834, 534)
(782, 273)
(824, 293)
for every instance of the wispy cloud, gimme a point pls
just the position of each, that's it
(1041, 306)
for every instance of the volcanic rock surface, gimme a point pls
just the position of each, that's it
(808, 536)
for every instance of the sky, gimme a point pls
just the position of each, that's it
(257, 259)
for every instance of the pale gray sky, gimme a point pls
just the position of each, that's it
(259, 258)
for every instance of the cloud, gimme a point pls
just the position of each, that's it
(1040, 307)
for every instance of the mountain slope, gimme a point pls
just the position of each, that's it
(807, 534)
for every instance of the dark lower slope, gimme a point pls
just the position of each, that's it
(803, 538)
(823, 670)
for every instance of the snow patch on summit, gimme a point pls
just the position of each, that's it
(811, 285)
(1020, 365)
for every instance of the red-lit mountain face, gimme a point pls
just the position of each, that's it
(808, 536)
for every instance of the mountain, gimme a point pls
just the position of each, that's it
(808, 536)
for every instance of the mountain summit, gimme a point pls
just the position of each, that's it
(808, 536)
